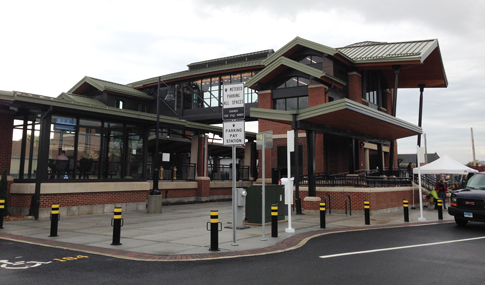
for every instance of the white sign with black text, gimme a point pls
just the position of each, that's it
(233, 101)
(233, 133)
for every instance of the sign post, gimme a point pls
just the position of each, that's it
(233, 135)
(264, 140)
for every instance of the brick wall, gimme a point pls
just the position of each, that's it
(355, 87)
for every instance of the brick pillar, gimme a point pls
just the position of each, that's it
(317, 95)
(6, 134)
(202, 155)
(355, 87)
(203, 187)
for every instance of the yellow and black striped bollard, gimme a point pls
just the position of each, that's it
(2, 207)
(214, 228)
(405, 205)
(274, 220)
(55, 217)
(117, 223)
(440, 209)
(367, 212)
(322, 215)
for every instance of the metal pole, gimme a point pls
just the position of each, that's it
(54, 219)
(156, 169)
(274, 220)
(214, 224)
(367, 212)
(263, 193)
(234, 206)
(405, 205)
(117, 223)
(322, 215)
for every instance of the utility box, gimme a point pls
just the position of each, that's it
(275, 194)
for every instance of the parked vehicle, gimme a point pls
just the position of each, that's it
(469, 204)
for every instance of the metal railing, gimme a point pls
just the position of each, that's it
(184, 172)
(224, 172)
(358, 181)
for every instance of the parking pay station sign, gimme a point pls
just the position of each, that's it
(233, 133)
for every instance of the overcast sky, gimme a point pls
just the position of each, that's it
(48, 46)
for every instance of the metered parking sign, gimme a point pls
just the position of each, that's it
(233, 133)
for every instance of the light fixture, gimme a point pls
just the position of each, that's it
(169, 96)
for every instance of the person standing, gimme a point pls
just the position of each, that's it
(410, 169)
(442, 189)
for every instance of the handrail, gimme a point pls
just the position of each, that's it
(350, 205)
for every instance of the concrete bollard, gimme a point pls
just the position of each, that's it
(322, 215)
(367, 212)
(405, 205)
(117, 223)
(440, 209)
(55, 217)
(274, 220)
(214, 229)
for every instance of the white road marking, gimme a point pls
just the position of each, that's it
(399, 247)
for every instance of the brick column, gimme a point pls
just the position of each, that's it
(355, 87)
(317, 95)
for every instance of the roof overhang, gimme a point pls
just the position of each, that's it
(344, 117)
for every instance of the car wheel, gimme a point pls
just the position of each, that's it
(461, 222)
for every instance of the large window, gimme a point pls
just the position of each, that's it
(290, 104)
(26, 147)
(372, 86)
(294, 82)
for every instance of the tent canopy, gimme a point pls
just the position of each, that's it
(444, 165)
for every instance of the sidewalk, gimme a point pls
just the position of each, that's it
(180, 232)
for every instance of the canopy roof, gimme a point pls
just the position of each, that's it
(444, 165)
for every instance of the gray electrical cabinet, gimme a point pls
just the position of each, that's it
(275, 194)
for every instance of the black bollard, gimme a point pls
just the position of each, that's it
(440, 209)
(214, 228)
(405, 206)
(55, 217)
(322, 215)
(117, 223)
(367, 212)
(274, 220)
(2, 206)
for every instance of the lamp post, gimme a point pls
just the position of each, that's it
(156, 170)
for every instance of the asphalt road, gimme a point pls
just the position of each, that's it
(431, 254)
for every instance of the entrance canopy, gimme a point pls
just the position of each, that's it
(444, 165)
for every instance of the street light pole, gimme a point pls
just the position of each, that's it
(156, 169)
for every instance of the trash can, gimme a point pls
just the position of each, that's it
(275, 194)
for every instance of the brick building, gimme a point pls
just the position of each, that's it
(341, 103)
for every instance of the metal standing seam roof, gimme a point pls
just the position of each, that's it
(192, 73)
(367, 52)
(75, 98)
(103, 86)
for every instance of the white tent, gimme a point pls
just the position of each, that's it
(444, 165)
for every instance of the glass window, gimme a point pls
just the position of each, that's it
(302, 81)
(292, 82)
(302, 102)
(280, 104)
(195, 88)
(236, 78)
(89, 150)
(113, 152)
(27, 168)
(214, 89)
(206, 83)
(61, 148)
(134, 165)
(291, 104)
(119, 104)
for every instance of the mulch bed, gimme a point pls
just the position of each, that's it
(13, 218)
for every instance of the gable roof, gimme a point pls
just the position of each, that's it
(282, 63)
(296, 44)
(75, 98)
(110, 87)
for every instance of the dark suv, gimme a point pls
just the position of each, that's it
(468, 204)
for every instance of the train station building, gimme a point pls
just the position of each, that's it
(102, 143)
